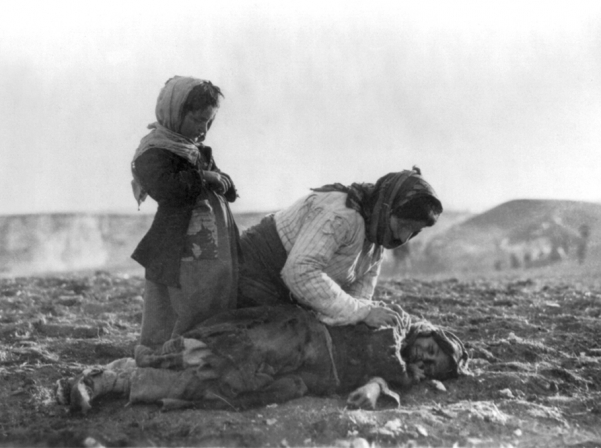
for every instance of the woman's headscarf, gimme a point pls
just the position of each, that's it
(375, 203)
(165, 131)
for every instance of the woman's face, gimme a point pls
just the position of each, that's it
(428, 356)
(403, 230)
(196, 124)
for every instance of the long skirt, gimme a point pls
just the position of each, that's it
(264, 256)
(208, 276)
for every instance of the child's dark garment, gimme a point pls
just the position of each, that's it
(190, 252)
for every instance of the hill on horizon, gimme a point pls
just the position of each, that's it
(461, 241)
(74, 241)
(521, 230)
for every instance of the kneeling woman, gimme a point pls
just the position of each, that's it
(324, 252)
(256, 356)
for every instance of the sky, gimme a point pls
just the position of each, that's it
(494, 101)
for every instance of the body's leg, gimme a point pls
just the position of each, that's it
(279, 391)
(78, 392)
(201, 388)
(138, 384)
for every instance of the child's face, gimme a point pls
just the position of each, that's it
(428, 356)
(196, 124)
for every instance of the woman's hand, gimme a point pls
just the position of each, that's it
(380, 316)
(405, 318)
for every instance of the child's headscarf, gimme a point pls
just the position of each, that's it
(376, 202)
(165, 131)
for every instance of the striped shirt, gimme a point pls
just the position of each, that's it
(331, 266)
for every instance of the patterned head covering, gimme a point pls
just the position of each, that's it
(450, 344)
(164, 132)
(375, 203)
(171, 100)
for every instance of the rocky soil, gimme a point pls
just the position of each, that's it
(534, 337)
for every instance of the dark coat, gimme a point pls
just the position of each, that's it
(176, 185)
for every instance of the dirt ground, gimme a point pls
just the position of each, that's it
(534, 338)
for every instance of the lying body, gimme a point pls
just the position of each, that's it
(255, 356)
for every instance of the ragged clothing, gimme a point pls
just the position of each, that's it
(247, 350)
(253, 357)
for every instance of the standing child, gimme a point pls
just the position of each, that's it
(190, 253)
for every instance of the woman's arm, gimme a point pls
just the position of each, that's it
(364, 286)
(304, 272)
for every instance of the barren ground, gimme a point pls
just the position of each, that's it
(534, 336)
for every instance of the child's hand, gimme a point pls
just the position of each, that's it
(218, 183)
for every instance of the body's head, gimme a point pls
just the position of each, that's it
(402, 204)
(439, 354)
(188, 106)
(426, 354)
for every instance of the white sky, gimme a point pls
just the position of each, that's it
(493, 100)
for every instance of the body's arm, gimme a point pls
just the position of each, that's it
(367, 395)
